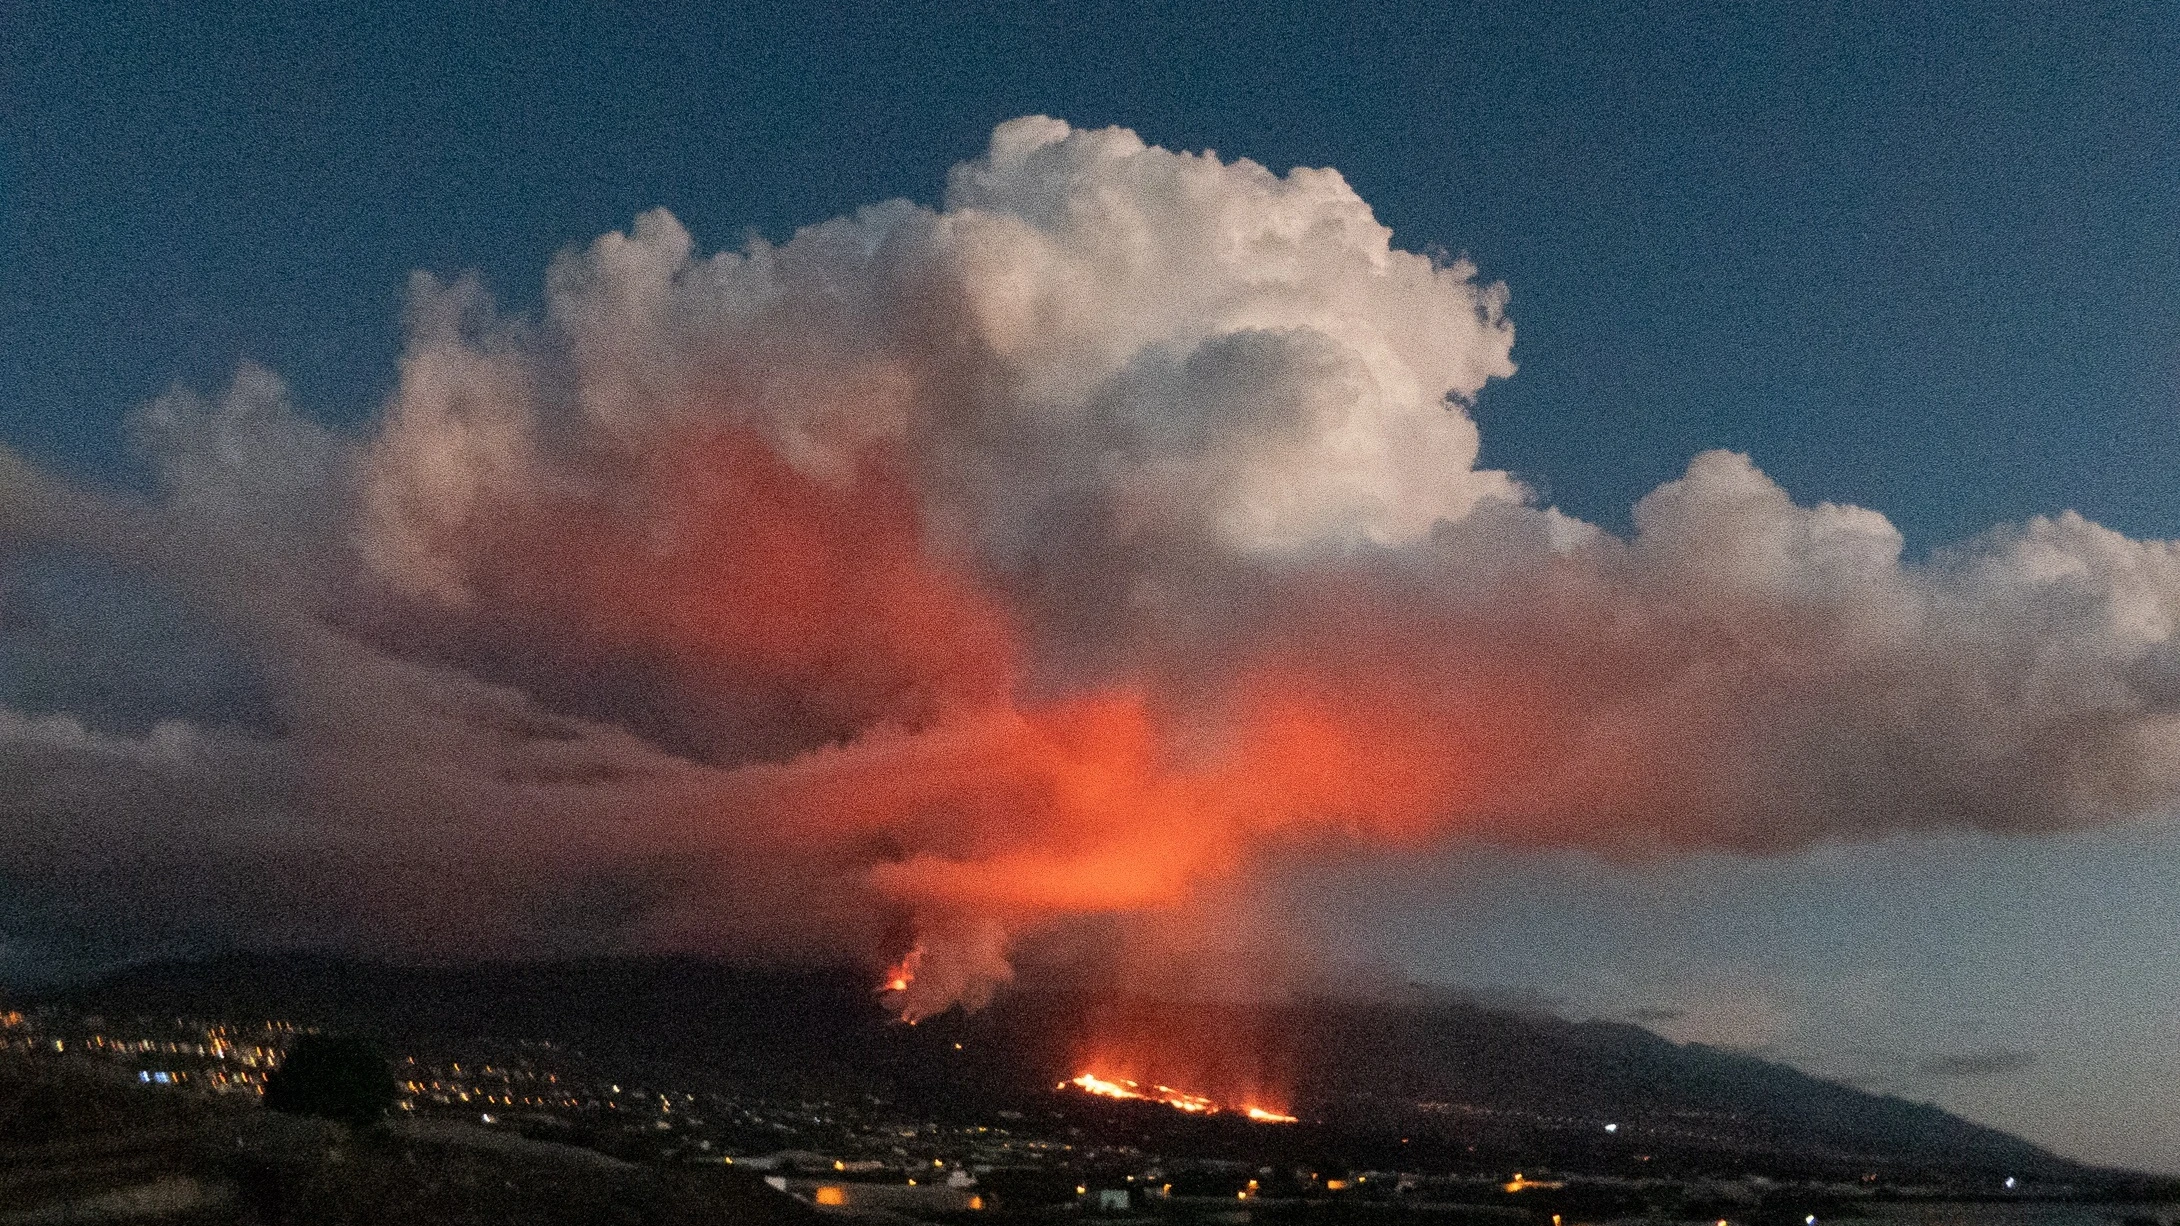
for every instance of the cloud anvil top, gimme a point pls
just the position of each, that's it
(945, 581)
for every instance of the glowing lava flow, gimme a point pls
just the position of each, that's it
(1179, 1100)
(1091, 1083)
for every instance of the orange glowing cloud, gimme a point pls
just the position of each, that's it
(1033, 570)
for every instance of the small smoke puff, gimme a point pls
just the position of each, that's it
(1987, 1062)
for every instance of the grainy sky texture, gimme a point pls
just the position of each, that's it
(1664, 517)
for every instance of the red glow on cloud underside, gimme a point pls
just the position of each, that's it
(980, 813)
(746, 573)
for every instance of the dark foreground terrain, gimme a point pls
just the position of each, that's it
(84, 1143)
(667, 1091)
(1449, 1075)
(78, 1145)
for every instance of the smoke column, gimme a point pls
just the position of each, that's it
(1035, 569)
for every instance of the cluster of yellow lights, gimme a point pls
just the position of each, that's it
(1179, 1100)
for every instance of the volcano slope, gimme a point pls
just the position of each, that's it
(1408, 1082)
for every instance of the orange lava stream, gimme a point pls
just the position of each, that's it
(1179, 1100)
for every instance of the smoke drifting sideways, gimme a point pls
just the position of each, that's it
(1039, 572)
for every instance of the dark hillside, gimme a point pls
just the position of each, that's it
(1473, 1078)
(78, 1144)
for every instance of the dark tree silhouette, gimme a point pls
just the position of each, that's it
(335, 1077)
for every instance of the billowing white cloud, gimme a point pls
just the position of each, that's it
(949, 578)
(1089, 325)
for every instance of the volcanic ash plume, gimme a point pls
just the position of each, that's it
(1036, 569)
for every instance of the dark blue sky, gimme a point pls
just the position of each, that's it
(1923, 258)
